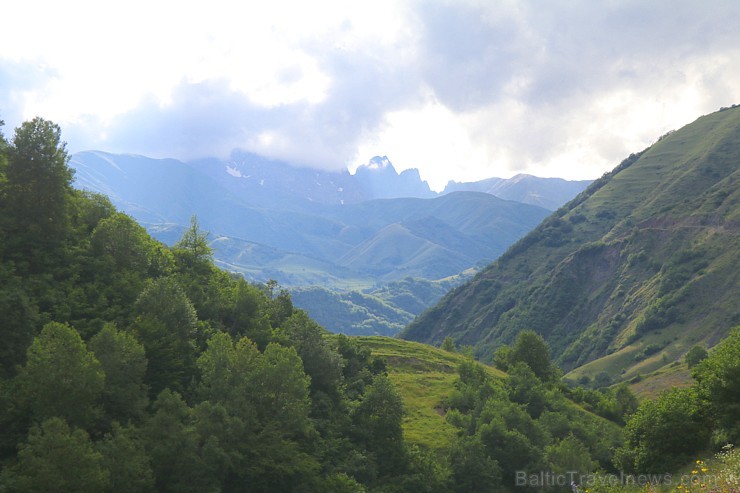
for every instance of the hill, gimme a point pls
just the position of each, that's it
(282, 233)
(629, 275)
(550, 193)
(300, 227)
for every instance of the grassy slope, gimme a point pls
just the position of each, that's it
(645, 258)
(424, 376)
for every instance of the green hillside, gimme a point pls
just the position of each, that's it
(130, 366)
(628, 276)
(383, 310)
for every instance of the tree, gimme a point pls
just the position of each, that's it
(194, 244)
(124, 362)
(570, 455)
(61, 377)
(696, 355)
(472, 470)
(173, 445)
(125, 242)
(166, 325)
(18, 319)
(39, 184)
(718, 383)
(626, 401)
(526, 389)
(378, 420)
(56, 459)
(448, 345)
(321, 362)
(664, 433)
(126, 460)
(531, 349)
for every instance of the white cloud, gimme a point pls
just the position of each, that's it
(460, 89)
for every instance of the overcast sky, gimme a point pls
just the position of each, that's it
(458, 89)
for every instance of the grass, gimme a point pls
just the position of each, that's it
(424, 375)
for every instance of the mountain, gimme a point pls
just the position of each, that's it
(382, 310)
(550, 193)
(298, 241)
(303, 227)
(381, 180)
(626, 277)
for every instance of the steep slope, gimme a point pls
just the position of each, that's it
(627, 276)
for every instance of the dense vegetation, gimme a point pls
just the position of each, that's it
(627, 277)
(305, 228)
(128, 366)
(382, 310)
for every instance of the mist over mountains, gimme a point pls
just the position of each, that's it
(332, 230)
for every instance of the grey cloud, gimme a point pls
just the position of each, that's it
(471, 53)
(208, 118)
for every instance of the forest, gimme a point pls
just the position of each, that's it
(130, 366)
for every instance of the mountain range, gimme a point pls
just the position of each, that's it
(327, 230)
(628, 276)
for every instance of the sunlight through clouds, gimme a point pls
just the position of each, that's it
(459, 89)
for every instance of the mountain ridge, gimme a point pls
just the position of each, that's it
(627, 276)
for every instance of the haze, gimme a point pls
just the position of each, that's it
(460, 90)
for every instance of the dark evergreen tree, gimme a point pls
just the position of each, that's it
(38, 189)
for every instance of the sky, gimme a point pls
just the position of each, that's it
(462, 90)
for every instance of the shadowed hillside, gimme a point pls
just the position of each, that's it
(626, 277)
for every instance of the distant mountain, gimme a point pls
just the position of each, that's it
(269, 183)
(550, 193)
(629, 275)
(303, 227)
(380, 180)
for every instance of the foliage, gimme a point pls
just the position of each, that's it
(247, 393)
(627, 276)
(61, 378)
(56, 459)
(718, 383)
(665, 433)
(695, 355)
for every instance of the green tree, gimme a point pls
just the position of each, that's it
(625, 400)
(279, 389)
(664, 433)
(526, 389)
(718, 383)
(125, 242)
(39, 186)
(166, 325)
(126, 460)
(61, 377)
(56, 459)
(502, 358)
(173, 446)
(570, 455)
(124, 362)
(18, 319)
(448, 345)
(472, 470)
(320, 362)
(193, 245)
(378, 421)
(696, 355)
(531, 349)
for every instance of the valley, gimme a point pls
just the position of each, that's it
(335, 240)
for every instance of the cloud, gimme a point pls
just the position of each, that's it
(461, 89)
